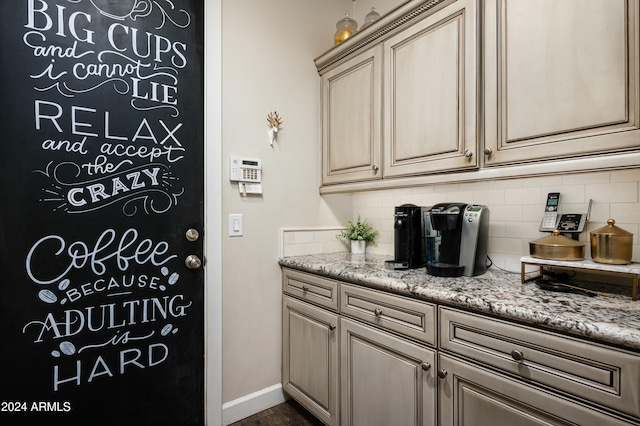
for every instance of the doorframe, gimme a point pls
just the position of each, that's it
(213, 210)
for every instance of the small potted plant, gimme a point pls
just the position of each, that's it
(359, 233)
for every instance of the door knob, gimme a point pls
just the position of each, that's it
(193, 262)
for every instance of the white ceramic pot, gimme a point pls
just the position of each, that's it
(358, 246)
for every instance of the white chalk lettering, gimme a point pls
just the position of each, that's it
(107, 247)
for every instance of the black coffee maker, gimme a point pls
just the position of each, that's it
(408, 240)
(464, 230)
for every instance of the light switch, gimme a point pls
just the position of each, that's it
(235, 225)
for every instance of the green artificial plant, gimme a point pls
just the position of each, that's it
(359, 231)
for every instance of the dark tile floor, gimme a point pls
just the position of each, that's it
(289, 413)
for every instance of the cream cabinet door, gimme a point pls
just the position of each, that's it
(310, 358)
(430, 93)
(385, 380)
(474, 396)
(561, 78)
(351, 108)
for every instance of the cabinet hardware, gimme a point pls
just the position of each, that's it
(442, 373)
(377, 312)
(305, 288)
(332, 327)
(517, 355)
(375, 168)
(468, 153)
(488, 151)
(425, 366)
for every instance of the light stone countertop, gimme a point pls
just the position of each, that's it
(614, 320)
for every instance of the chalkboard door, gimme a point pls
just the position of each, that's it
(101, 214)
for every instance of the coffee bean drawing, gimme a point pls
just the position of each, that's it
(47, 296)
(67, 348)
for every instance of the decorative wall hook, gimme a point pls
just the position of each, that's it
(275, 121)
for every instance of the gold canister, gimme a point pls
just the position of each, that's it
(611, 244)
(557, 247)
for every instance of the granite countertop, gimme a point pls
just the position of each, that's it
(614, 320)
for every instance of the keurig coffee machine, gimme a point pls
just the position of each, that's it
(464, 233)
(409, 243)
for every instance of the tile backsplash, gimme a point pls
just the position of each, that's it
(303, 241)
(516, 207)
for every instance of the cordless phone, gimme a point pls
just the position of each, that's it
(550, 219)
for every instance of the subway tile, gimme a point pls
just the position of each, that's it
(512, 263)
(313, 248)
(301, 237)
(489, 196)
(571, 194)
(627, 175)
(294, 250)
(543, 182)
(600, 212)
(496, 229)
(333, 246)
(505, 183)
(522, 230)
(474, 186)
(586, 178)
(289, 237)
(522, 195)
(505, 245)
(623, 192)
(511, 213)
(625, 212)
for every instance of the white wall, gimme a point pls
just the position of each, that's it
(268, 49)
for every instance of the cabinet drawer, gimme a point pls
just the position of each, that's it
(312, 288)
(585, 369)
(400, 314)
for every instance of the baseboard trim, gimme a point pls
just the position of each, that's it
(253, 403)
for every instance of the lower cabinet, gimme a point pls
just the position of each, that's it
(355, 356)
(310, 358)
(474, 396)
(385, 380)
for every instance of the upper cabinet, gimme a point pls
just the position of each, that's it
(351, 126)
(430, 94)
(560, 79)
(483, 88)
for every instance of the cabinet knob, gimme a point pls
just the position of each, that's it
(425, 366)
(332, 327)
(305, 288)
(488, 151)
(468, 153)
(375, 168)
(442, 373)
(377, 312)
(517, 355)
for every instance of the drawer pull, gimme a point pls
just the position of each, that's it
(377, 312)
(332, 327)
(425, 366)
(442, 373)
(305, 288)
(517, 355)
